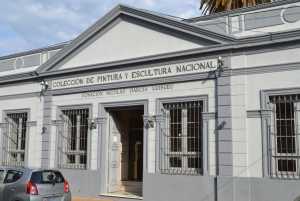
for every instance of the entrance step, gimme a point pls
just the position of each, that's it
(119, 196)
(132, 187)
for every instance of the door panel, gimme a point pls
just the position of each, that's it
(12, 184)
(136, 147)
(2, 175)
(1, 191)
(115, 147)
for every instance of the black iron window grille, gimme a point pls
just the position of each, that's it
(74, 138)
(14, 139)
(181, 138)
(284, 136)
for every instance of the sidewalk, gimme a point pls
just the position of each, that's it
(90, 199)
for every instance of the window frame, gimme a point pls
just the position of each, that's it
(58, 160)
(5, 115)
(203, 152)
(275, 155)
(267, 124)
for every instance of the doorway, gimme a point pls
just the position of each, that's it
(126, 150)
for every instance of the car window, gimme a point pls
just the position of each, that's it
(47, 177)
(12, 176)
(2, 174)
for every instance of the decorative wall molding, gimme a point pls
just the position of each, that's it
(3, 125)
(291, 14)
(31, 123)
(259, 113)
(208, 115)
(57, 122)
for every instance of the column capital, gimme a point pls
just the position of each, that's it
(149, 121)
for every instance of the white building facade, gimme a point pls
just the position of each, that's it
(147, 106)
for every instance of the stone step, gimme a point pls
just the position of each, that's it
(119, 196)
(131, 186)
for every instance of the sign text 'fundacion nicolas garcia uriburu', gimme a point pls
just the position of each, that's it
(137, 74)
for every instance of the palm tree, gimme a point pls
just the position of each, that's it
(214, 6)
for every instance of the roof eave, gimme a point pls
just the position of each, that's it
(256, 42)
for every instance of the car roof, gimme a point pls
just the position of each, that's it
(13, 168)
(21, 168)
(26, 169)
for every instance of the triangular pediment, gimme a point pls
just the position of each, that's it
(127, 33)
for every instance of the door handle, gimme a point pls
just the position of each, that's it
(12, 189)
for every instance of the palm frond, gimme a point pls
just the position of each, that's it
(214, 6)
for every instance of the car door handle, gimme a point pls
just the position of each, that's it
(12, 189)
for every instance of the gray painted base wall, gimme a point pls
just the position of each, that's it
(178, 188)
(160, 187)
(257, 189)
(202, 188)
(84, 183)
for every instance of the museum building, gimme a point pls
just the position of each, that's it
(149, 106)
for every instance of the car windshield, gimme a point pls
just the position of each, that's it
(47, 177)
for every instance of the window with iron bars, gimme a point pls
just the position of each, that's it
(74, 138)
(181, 138)
(284, 136)
(14, 139)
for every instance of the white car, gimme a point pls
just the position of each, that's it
(24, 184)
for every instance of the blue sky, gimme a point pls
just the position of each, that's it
(29, 24)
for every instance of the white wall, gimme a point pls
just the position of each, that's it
(247, 148)
(256, 83)
(34, 104)
(126, 41)
(247, 145)
(266, 58)
(239, 137)
(179, 90)
(21, 88)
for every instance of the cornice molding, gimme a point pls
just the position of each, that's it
(259, 113)
(208, 115)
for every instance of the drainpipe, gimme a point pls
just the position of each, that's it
(217, 74)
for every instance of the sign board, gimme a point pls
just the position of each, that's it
(137, 74)
(129, 91)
